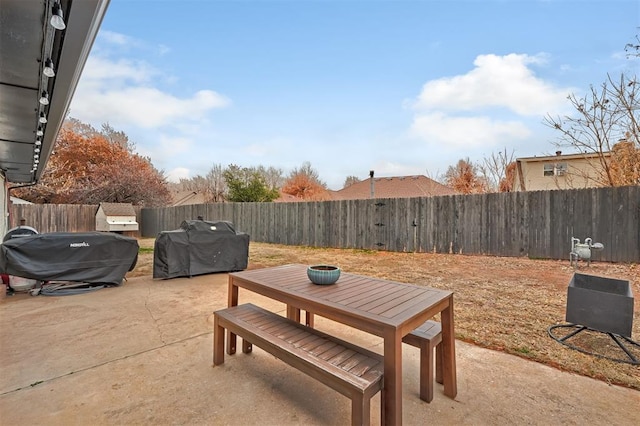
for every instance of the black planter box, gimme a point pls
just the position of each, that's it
(602, 304)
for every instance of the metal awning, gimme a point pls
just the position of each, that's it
(27, 40)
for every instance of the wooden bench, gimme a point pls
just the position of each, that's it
(427, 337)
(351, 370)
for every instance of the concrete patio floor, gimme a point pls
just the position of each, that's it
(141, 354)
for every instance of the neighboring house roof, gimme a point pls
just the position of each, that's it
(288, 198)
(16, 200)
(393, 187)
(185, 198)
(566, 157)
(117, 209)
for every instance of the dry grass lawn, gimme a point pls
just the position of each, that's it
(501, 303)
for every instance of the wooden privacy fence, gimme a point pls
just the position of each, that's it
(57, 217)
(536, 224)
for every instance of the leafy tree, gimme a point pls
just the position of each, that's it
(305, 183)
(350, 180)
(89, 170)
(508, 182)
(464, 178)
(301, 186)
(605, 117)
(248, 185)
(307, 169)
(213, 186)
(625, 166)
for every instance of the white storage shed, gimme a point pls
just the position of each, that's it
(116, 217)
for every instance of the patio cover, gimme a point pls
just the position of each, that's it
(89, 257)
(200, 247)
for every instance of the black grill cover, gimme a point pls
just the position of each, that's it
(200, 247)
(90, 257)
(20, 231)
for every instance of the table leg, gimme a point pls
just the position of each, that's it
(449, 351)
(232, 301)
(392, 394)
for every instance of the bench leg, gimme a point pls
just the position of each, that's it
(439, 378)
(218, 341)
(246, 346)
(360, 410)
(426, 372)
(231, 343)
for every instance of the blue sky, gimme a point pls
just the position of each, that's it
(399, 87)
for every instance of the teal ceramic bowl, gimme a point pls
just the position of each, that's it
(323, 274)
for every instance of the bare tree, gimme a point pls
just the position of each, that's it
(117, 137)
(633, 49)
(350, 180)
(606, 116)
(79, 128)
(216, 186)
(272, 176)
(307, 170)
(212, 186)
(494, 170)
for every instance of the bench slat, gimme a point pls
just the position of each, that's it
(336, 366)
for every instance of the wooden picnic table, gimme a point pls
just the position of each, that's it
(384, 308)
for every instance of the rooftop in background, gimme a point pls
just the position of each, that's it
(117, 209)
(185, 198)
(288, 198)
(393, 187)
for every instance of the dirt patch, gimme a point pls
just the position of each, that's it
(502, 303)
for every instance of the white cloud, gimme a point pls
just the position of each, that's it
(119, 92)
(145, 107)
(493, 104)
(466, 132)
(391, 169)
(102, 71)
(178, 173)
(113, 37)
(129, 95)
(496, 81)
(166, 148)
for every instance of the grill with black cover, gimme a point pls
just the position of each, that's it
(89, 257)
(200, 247)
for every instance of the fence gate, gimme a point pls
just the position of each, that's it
(380, 223)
